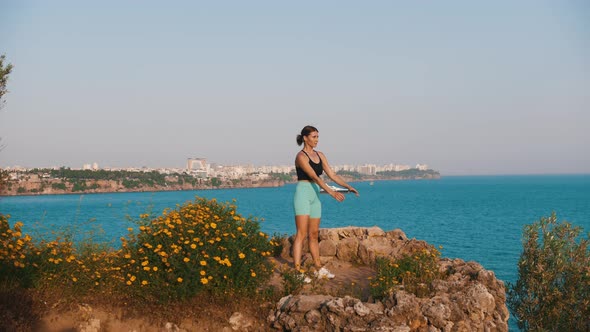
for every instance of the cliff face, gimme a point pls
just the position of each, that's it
(466, 298)
(36, 186)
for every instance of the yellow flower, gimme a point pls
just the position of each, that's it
(128, 282)
(203, 263)
(144, 282)
(155, 268)
(74, 279)
(179, 279)
(193, 246)
(203, 273)
(213, 225)
(253, 274)
(204, 281)
(242, 256)
(132, 278)
(146, 268)
(186, 259)
(144, 263)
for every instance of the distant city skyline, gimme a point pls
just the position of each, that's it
(468, 88)
(96, 166)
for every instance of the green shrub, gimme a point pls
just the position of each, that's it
(58, 264)
(200, 246)
(293, 280)
(552, 292)
(277, 241)
(58, 186)
(79, 185)
(413, 273)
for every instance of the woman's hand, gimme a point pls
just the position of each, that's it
(352, 190)
(337, 195)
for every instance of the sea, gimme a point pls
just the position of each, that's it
(478, 218)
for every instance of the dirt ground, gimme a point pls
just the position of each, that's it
(32, 312)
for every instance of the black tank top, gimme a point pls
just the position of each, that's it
(318, 168)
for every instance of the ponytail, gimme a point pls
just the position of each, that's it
(299, 139)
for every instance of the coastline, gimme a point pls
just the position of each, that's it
(44, 187)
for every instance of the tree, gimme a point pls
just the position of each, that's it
(4, 72)
(215, 182)
(552, 292)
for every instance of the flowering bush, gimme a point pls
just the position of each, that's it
(57, 264)
(201, 245)
(14, 247)
(413, 273)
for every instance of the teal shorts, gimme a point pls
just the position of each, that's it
(307, 199)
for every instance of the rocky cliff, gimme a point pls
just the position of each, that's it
(36, 186)
(467, 297)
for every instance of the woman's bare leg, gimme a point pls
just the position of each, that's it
(314, 247)
(301, 222)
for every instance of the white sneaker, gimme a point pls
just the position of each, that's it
(305, 278)
(324, 273)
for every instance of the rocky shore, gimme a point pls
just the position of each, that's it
(467, 298)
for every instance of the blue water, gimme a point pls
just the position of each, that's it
(474, 218)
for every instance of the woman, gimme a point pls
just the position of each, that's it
(310, 164)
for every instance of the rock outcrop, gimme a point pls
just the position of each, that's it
(467, 298)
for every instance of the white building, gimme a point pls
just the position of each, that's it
(422, 167)
(368, 169)
(198, 167)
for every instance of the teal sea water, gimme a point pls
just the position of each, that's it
(473, 217)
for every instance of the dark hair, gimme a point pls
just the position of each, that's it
(305, 132)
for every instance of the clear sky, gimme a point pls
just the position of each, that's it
(467, 87)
